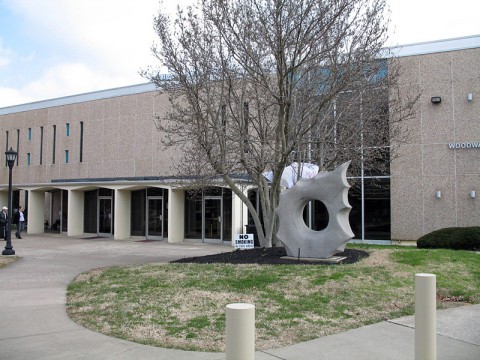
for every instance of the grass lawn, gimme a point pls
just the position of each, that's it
(183, 305)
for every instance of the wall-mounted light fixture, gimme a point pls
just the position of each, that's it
(470, 97)
(438, 194)
(436, 99)
(473, 194)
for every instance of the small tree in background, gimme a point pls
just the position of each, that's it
(259, 84)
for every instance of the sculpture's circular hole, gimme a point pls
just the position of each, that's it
(315, 215)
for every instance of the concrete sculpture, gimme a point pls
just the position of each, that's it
(331, 188)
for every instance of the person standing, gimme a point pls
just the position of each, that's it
(19, 219)
(3, 222)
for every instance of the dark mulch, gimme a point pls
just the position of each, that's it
(269, 256)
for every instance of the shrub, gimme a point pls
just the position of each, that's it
(458, 238)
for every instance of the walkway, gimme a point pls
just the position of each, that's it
(34, 324)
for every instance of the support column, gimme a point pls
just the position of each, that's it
(122, 218)
(176, 216)
(35, 208)
(76, 204)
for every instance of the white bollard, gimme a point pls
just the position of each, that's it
(425, 317)
(240, 332)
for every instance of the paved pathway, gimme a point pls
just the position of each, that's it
(34, 324)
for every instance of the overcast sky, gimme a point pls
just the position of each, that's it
(55, 48)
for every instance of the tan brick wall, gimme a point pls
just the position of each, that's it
(120, 139)
(427, 164)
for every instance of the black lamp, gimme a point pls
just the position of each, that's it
(10, 156)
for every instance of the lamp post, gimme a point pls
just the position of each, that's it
(11, 156)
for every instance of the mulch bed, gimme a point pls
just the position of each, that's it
(269, 256)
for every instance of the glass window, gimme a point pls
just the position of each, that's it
(154, 192)
(193, 214)
(41, 145)
(6, 145)
(227, 214)
(54, 143)
(81, 141)
(18, 144)
(90, 212)
(377, 209)
(67, 129)
(29, 133)
(376, 199)
(28, 158)
(139, 208)
(64, 210)
(138, 215)
(66, 156)
(105, 192)
(203, 213)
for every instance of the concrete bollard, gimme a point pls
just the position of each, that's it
(240, 332)
(425, 317)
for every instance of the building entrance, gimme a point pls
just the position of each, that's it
(105, 216)
(155, 218)
(212, 217)
(208, 214)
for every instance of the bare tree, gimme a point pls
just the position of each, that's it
(257, 84)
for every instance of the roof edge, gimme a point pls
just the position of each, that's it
(422, 48)
(79, 98)
(430, 47)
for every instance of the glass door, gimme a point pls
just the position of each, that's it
(155, 218)
(105, 216)
(64, 215)
(212, 218)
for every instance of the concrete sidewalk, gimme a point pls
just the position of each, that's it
(34, 324)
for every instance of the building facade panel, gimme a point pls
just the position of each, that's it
(413, 127)
(112, 107)
(93, 142)
(144, 141)
(438, 160)
(96, 110)
(100, 153)
(434, 69)
(466, 60)
(449, 130)
(467, 160)
(437, 122)
(407, 207)
(109, 147)
(127, 106)
(409, 68)
(408, 161)
(468, 206)
(466, 111)
(440, 210)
